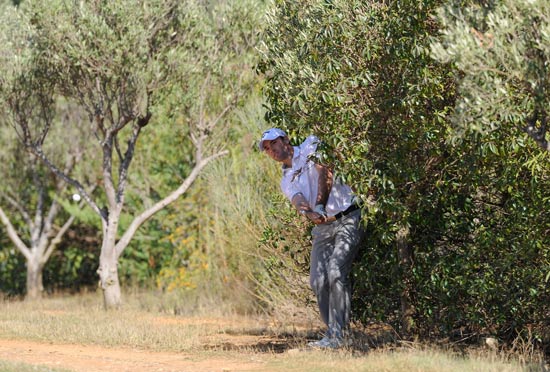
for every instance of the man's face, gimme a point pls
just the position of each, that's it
(277, 149)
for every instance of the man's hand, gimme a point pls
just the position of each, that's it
(315, 217)
(320, 209)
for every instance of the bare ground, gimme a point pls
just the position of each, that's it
(86, 358)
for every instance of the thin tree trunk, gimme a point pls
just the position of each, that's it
(405, 255)
(35, 286)
(108, 265)
(108, 278)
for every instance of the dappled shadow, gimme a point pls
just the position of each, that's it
(260, 340)
(272, 345)
(373, 335)
(362, 339)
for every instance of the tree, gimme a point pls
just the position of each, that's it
(29, 199)
(355, 73)
(124, 63)
(501, 52)
(444, 231)
(29, 193)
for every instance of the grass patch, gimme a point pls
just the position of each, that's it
(393, 360)
(82, 320)
(22, 367)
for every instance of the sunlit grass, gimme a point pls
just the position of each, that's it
(391, 361)
(138, 324)
(22, 367)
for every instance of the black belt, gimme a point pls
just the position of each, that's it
(351, 208)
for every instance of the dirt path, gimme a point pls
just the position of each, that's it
(86, 358)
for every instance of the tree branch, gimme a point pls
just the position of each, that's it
(117, 147)
(139, 220)
(57, 239)
(12, 234)
(125, 165)
(19, 207)
(40, 154)
(107, 166)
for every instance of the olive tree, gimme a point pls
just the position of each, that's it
(355, 74)
(501, 52)
(30, 207)
(444, 231)
(123, 63)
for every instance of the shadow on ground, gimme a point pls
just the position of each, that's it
(363, 338)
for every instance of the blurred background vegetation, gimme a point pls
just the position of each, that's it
(429, 130)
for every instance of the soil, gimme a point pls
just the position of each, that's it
(86, 358)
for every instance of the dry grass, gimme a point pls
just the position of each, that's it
(209, 332)
(22, 367)
(82, 320)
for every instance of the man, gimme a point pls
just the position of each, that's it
(330, 205)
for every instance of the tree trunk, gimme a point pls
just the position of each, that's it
(108, 279)
(35, 286)
(108, 268)
(405, 256)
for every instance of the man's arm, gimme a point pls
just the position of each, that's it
(301, 204)
(324, 184)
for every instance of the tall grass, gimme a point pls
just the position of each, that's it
(243, 198)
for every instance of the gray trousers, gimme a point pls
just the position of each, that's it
(334, 247)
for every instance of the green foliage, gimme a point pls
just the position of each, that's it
(478, 271)
(364, 85)
(360, 75)
(185, 63)
(183, 263)
(29, 190)
(225, 215)
(187, 254)
(72, 268)
(501, 51)
(219, 234)
(285, 245)
(12, 270)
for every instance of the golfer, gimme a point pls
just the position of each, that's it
(330, 205)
